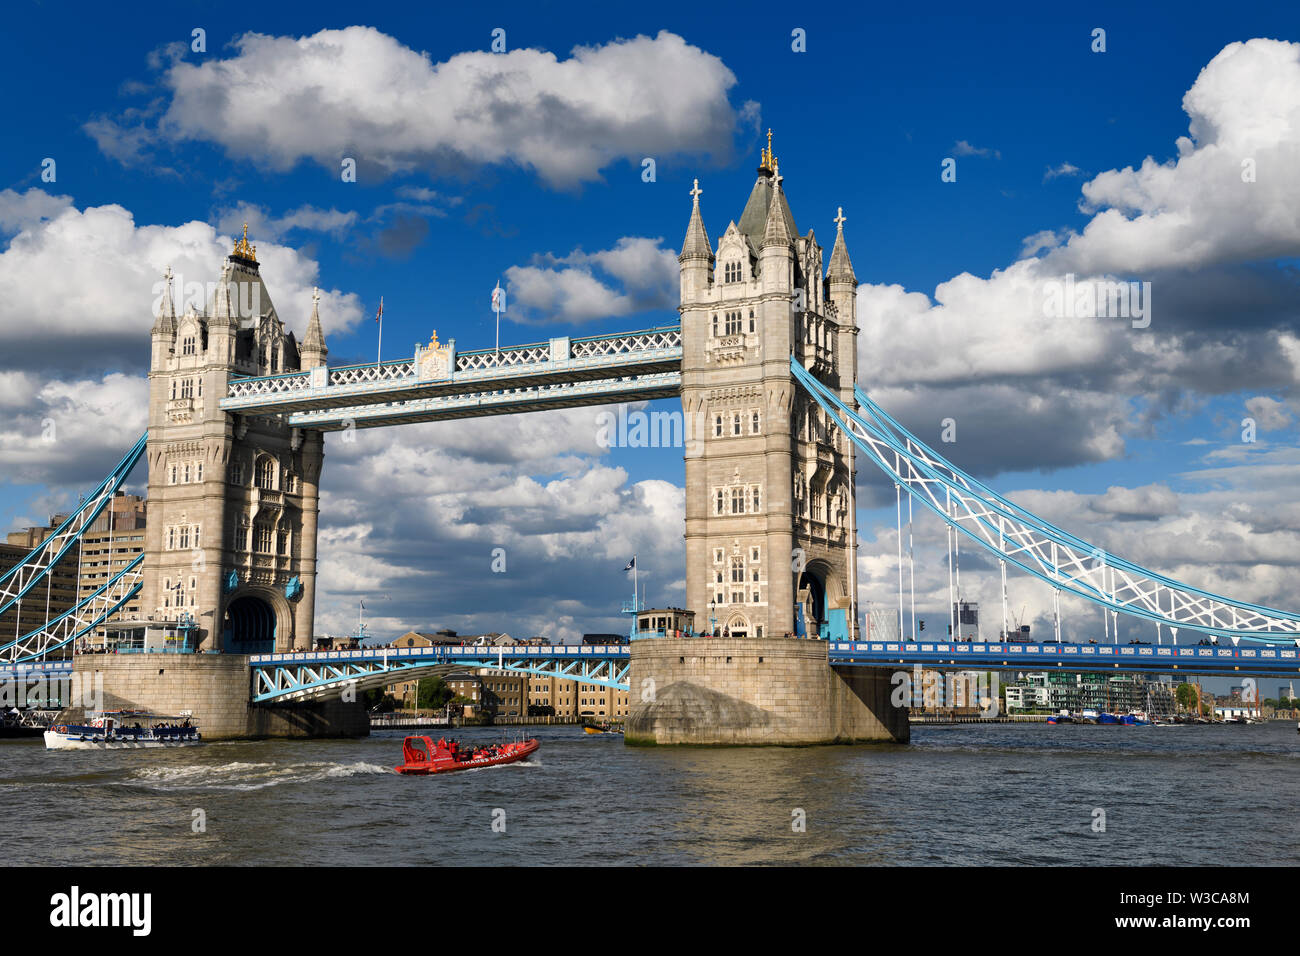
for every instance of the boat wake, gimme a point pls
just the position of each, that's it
(241, 775)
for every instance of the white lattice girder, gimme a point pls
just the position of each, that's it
(603, 358)
(1033, 544)
(79, 620)
(22, 579)
(500, 402)
(284, 680)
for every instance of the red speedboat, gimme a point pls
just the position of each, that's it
(423, 756)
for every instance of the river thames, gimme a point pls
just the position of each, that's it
(957, 795)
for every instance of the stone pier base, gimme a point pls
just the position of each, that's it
(215, 687)
(745, 691)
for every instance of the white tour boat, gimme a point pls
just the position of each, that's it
(124, 730)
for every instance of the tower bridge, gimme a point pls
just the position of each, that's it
(764, 355)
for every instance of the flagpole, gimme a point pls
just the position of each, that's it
(497, 308)
(379, 317)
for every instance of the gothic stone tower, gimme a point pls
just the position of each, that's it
(231, 534)
(770, 538)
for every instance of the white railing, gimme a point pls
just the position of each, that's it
(363, 374)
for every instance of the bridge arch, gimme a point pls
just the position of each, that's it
(256, 621)
(823, 601)
(738, 626)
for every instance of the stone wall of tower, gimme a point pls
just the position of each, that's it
(746, 307)
(217, 481)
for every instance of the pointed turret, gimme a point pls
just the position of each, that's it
(221, 311)
(313, 350)
(776, 232)
(696, 259)
(697, 238)
(165, 322)
(842, 291)
(841, 268)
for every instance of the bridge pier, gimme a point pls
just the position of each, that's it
(755, 691)
(215, 687)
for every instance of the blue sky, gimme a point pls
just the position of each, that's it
(862, 119)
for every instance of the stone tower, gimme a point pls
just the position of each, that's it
(233, 501)
(769, 529)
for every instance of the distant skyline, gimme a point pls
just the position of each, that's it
(1170, 158)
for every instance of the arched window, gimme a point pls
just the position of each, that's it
(266, 473)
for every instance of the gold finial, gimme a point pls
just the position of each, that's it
(768, 161)
(433, 340)
(243, 249)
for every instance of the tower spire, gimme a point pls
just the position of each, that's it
(221, 314)
(776, 232)
(697, 239)
(313, 350)
(766, 159)
(840, 266)
(166, 321)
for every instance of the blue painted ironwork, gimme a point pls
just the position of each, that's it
(79, 620)
(36, 564)
(321, 674)
(1267, 661)
(561, 373)
(1034, 545)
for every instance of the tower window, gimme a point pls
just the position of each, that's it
(731, 272)
(751, 320)
(266, 474)
(718, 503)
(737, 501)
(735, 424)
(715, 325)
(733, 323)
(717, 427)
(753, 424)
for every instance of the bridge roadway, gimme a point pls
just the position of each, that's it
(439, 383)
(321, 674)
(313, 676)
(1256, 659)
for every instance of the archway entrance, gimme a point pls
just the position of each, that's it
(810, 615)
(737, 626)
(249, 626)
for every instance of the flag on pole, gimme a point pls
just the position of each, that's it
(380, 314)
(631, 565)
(498, 299)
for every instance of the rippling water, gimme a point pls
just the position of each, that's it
(968, 794)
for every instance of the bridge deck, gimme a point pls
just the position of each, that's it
(442, 384)
(1277, 660)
